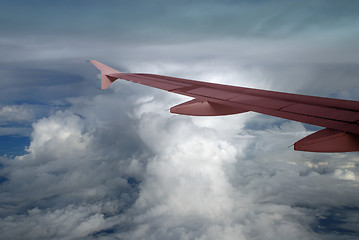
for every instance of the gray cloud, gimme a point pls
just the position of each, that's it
(6, 131)
(76, 222)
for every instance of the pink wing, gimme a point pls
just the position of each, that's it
(339, 117)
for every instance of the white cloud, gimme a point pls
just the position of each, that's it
(16, 113)
(344, 174)
(61, 135)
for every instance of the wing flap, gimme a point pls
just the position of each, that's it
(323, 112)
(266, 102)
(328, 140)
(212, 92)
(297, 108)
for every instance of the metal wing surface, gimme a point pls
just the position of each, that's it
(340, 118)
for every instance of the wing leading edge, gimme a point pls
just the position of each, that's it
(339, 117)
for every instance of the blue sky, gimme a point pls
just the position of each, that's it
(77, 162)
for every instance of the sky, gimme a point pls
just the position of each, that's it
(77, 162)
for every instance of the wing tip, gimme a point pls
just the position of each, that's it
(106, 80)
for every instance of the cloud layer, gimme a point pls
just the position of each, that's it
(83, 177)
(116, 164)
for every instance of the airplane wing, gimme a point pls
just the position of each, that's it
(340, 118)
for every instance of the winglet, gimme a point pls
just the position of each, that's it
(106, 72)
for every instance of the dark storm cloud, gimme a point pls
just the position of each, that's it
(115, 164)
